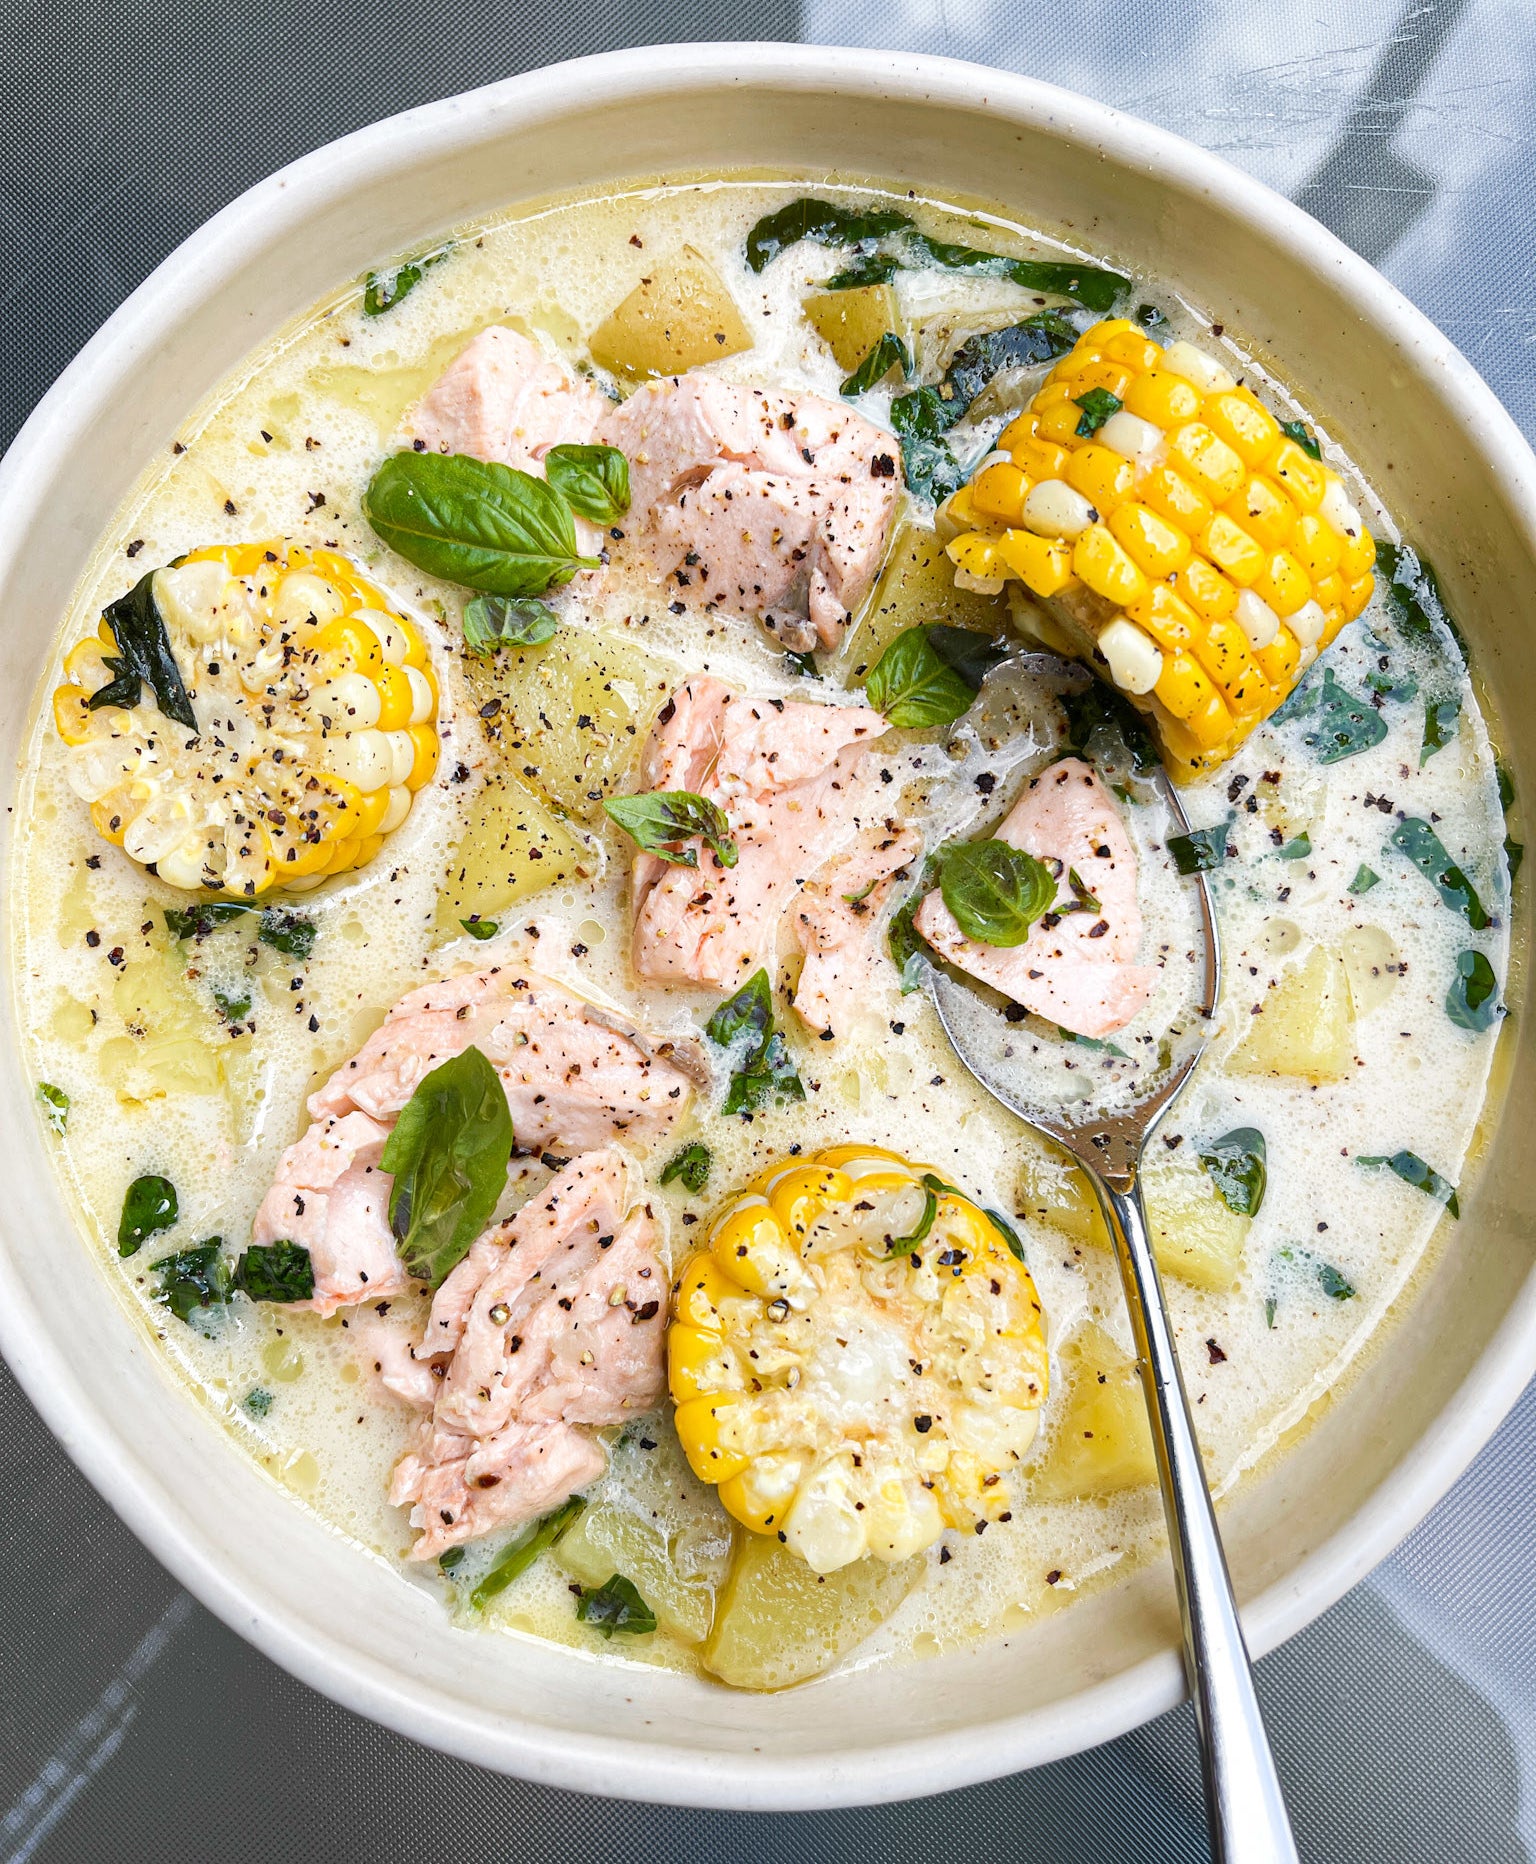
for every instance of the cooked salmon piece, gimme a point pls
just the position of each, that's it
(838, 924)
(795, 780)
(760, 503)
(502, 398)
(551, 1327)
(1076, 969)
(574, 1076)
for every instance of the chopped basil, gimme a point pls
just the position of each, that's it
(1303, 436)
(1083, 900)
(524, 1550)
(615, 1606)
(55, 1105)
(493, 621)
(868, 268)
(1344, 724)
(257, 1401)
(1038, 339)
(480, 928)
(1238, 1167)
(232, 1008)
(1413, 596)
(475, 522)
(144, 656)
(149, 1205)
(1006, 1230)
(1097, 406)
(692, 1164)
(921, 419)
(280, 1271)
(995, 891)
(743, 1027)
(450, 1558)
(1090, 285)
(1365, 878)
(805, 665)
(1412, 1170)
(1333, 1282)
(384, 290)
(1514, 851)
(888, 354)
(821, 221)
(448, 1156)
(1419, 842)
(1440, 722)
(1202, 848)
(289, 933)
(660, 820)
(1472, 1002)
(904, 1245)
(929, 675)
(194, 1278)
(1091, 1042)
(1094, 713)
(1391, 685)
(1506, 785)
(1298, 848)
(593, 480)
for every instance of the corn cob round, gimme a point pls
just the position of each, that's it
(315, 712)
(849, 1396)
(1176, 538)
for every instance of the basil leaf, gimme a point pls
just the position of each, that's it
(1083, 900)
(280, 1271)
(1087, 284)
(384, 290)
(149, 1204)
(1365, 878)
(913, 685)
(232, 1009)
(1297, 849)
(1096, 712)
(1202, 848)
(492, 621)
(1506, 785)
(909, 950)
(743, 1026)
(524, 1550)
(888, 354)
(995, 891)
(1391, 686)
(966, 651)
(1345, 726)
(474, 522)
(1440, 724)
(1419, 842)
(1472, 1002)
(805, 665)
(1303, 436)
(1091, 1042)
(904, 1245)
(869, 268)
(615, 1606)
(1413, 596)
(1412, 1170)
(1333, 1282)
(657, 820)
(1238, 1167)
(290, 933)
(1097, 406)
(143, 655)
(1152, 320)
(480, 928)
(55, 1105)
(257, 1401)
(921, 420)
(593, 480)
(199, 920)
(1038, 339)
(448, 1156)
(1008, 1233)
(692, 1165)
(821, 221)
(193, 1278)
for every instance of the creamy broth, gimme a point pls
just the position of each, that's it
(123, 1019)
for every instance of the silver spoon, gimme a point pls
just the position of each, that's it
(1247, 1816)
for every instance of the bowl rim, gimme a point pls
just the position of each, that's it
(641, 1768)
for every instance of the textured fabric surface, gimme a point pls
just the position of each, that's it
(132, 1725)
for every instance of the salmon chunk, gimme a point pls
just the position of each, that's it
(760, 503)
(502, 398)
(551, 1327)
(798, 785)
(1077, 969)
(837, 923)
(574, 1079)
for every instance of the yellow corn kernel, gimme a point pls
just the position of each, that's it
(1232, 550)
(1238, 417)
(705, 1430)
(703, 1294)
(1227, 657)
(1136, 352)
(1357, 556)
(1155, 546)
(1181, 503)
(1305, 478)
(1185, 689)
(368, 847)
(1104, 478)
(1170, 621)
(370, 811)
(352, 643)
(1283, 584)
(1036, 457)
(760, 1502)
(72, 714)
(1107, 327)
(395, 701)
(1204, 457)
(1162, 398)
(1264, 512)
(425, 740)
(1103, 564)
(1103, 374)
(999, 492)
(751, 1247)
(1356, 595)
(1206, 590)
(801, 1195)
(976, 554)
(849, 1155)
(1058, 423)
(700, 1362)
(1317, 547)
(108, 817)
(1278, 662)
(1040, 563)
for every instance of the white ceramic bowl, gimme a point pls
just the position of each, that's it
(1423, 428)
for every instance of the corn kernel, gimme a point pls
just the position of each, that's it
(1232, 550)
(1058, 423)
(1264, 512)
(1134, 662)
(1154, 545)
(1181, 503)
(1170, 621)
(1103, 478)
(1207, 459)
(1279, 661)
(425, 740)
(706, 1430)
(1317, 547)
(1356, 595)
(1205, 589)
(1164, 399)
(1282, 584)
(1357, 556)
(1305, 478)
(1104, 566)
(699, 1362)
(1238, 417)
(1039, 563)
(1137, 352)
(999, 491)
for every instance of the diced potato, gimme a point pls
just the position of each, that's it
(1057, 1193)
(1371, 962)
(1307, 1028)
(917, 585)
(1102, 1442)
(779, 1623)
(1194, 1235)
(514, 846)
(851, 323)
(679, 316)
(607, 1540)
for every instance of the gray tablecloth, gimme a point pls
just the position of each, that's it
(132, 1725)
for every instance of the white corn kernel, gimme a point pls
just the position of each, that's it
(1195, 366)
(980, 585)
(190, 599)
(1130, 436)
(362, 757)
(1307, 624)
(391, 635)
(421, 695)
(1256, 619)
(1338, 511)
(157, 830)
(1054, 509)
(1135, 664)
(402, 755)
(303, 596)
(97, 767)
(350, 703)
(823, 1527)
(399, 808)
(183, 866)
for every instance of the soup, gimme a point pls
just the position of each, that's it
(479, 888)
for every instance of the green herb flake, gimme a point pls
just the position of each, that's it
(1097, 406)
(1091, 1042)
(869, 268)
(908, 948)
(1365, 878)
(232, 1009)
(821, 221)
(1202, 848)
(904, 1245)
(149, 1205)
(1096, 717)
(743, 1028)
(921, 419)
(691, 1165)
(1038, 339)
(1238, 1167)
(1414, 838)
(1341, 726)
(144, 657)
(593, 480)
(290, 933)
(615, 1607)
(1299, 848)
(194, 1279)
(1333, 1282)
(448, 1156)
(1006, 1230)
(1441, 717)
(492, 622)
(660, 821)
(888, 354)
(384, 289)
(55, 1104)
(1412, 1170)
(534, 1540)
(450, 1558)
(1472, 1002)
(995, 891)
(479, 928)
(928, 676)
(1153, 321)
(805, 665)
(279, 1271)
(1303, 436)
(1414, 599)
(257, 1401)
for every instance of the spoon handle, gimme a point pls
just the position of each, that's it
(1242, 1793)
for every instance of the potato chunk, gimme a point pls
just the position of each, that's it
(1194, 1235)
(1307, 1028)
(1103, 1442)
(678, 317)
(779, 1622)
(851, 323)
(917, 586)
(513, 846)
(1057, 1192)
